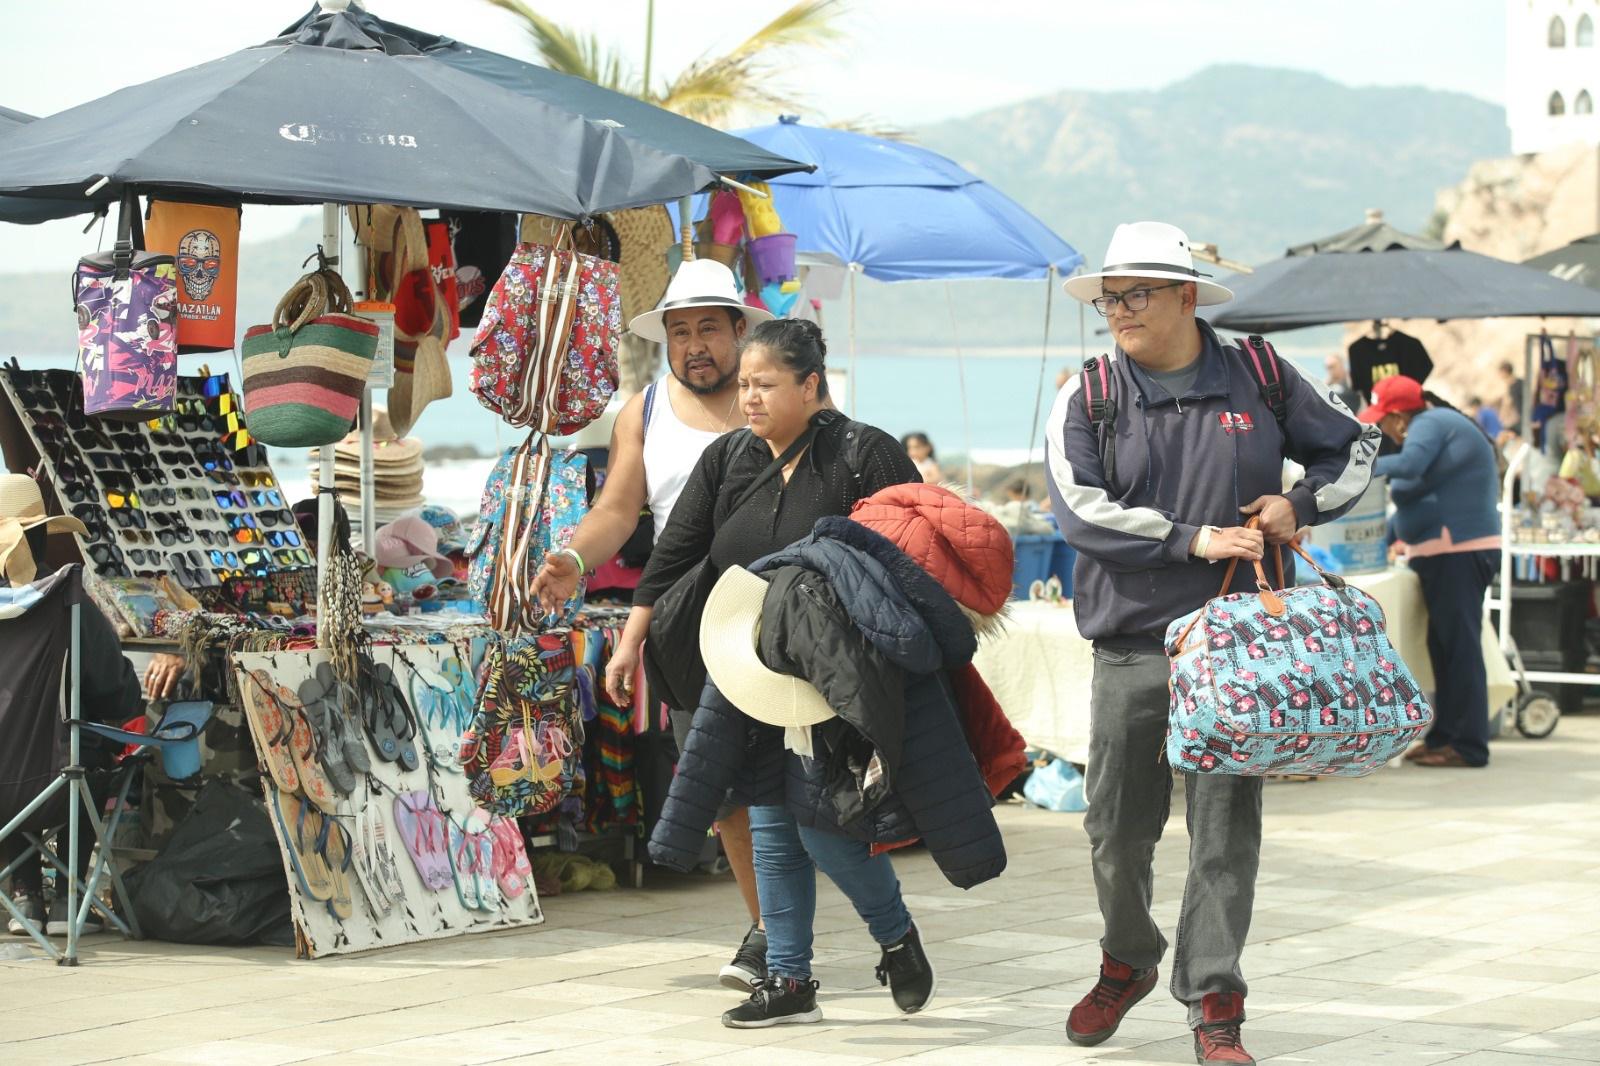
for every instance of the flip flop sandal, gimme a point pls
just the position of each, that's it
(399, 720)
(384, 865)
(343, 706)
(316, 880)
(488, 888)
(463, 860)
(314, 781)
(335, 847)
(511, 866)
(270, 728)
(465, 694)
(322, 718)
(423, 832)
(361, 848)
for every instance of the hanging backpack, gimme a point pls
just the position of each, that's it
(523, 752)
(1098, 394)
(545, 354)
(531, 505)
(127, 305)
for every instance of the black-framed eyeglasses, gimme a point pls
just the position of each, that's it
(1134, 299)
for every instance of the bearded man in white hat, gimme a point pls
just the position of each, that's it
(1157, 456)
(655, 445)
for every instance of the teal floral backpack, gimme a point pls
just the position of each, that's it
(532, 503)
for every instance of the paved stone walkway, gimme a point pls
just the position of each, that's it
(1416, 917)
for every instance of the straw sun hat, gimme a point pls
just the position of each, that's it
(728, 632)
(22, 509)
(1148, 250)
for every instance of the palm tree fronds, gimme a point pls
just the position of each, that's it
(806, 24)
(560, 48)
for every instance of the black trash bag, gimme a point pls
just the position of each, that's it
(220, 878)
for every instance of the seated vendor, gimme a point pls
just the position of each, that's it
(111, 690)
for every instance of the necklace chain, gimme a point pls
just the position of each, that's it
(722, 427)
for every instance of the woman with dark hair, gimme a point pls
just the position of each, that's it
(920, 448)
(735, 510)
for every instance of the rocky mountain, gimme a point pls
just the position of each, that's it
(1250, 158)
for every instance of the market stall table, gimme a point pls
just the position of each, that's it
(1041, 670)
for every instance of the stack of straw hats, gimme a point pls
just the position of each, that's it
(396, 472)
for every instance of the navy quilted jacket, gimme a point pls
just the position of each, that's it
(874, 633)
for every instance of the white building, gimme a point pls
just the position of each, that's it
(1552, 73)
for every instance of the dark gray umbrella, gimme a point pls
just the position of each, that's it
(28, 211)
(1387, 277)
(1578, 262)
(635, 119)
(342, 112)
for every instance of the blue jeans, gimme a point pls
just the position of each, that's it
(786, 860)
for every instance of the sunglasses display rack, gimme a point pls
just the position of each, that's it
(187, 495)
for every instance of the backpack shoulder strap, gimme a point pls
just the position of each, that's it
(649, 404)
(1263, 363)
(1099, 399)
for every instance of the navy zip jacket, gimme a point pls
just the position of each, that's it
(855, 616)
(1182, 463)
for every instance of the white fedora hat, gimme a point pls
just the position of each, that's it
(1149, 250)
(728, 632)
(698, 283)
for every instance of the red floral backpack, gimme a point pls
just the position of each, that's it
(545, 355)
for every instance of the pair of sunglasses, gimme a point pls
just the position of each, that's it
(293, 557)
(283, 539)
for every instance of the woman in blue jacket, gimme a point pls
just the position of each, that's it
(1444, 483)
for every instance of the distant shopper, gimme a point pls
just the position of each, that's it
(1339, 382)
(1486, 418)
(1444, 482)
(1198, 449)
(920, 449)
(1511, 404)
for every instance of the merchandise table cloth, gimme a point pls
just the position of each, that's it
(1041, 670)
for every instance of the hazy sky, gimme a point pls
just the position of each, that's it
(904, 62)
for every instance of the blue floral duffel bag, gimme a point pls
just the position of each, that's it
(1296, 681)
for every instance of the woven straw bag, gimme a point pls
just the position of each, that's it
(304, 373)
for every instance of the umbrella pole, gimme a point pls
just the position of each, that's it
(961, 377)
(325, 498)
(855, 385)
(369, 524)
(1044, 358)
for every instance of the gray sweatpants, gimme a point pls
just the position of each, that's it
(1129, 789)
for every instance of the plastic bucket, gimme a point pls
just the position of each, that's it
(773, 257)
(1356, 541)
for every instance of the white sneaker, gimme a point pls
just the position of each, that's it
(57, 926)
(32, 907)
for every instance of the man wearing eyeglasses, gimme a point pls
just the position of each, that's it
(1183, 444)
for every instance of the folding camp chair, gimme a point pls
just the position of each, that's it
(40, 745)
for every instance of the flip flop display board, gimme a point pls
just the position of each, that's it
(382, 841)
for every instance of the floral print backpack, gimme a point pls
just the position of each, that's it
(523, 751)
(531, 505)
(1297, 681)
(545, 354)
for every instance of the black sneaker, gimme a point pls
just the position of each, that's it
(58, 923)
(779, 1001)
(749, 966)
(905, 968)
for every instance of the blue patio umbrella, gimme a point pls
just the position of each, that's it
(903, 213)
(897, 212)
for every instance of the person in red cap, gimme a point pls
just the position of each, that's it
(1444, 482)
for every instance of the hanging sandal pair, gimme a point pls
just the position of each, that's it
(325, 703)
(386, 717)
(320, 852)
(472, 863)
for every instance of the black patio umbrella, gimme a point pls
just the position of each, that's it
(635, 119)
(1383, 276)
(342, 112)
(1578, 262)
(29, 211)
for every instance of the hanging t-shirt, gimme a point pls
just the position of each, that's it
(1372, 359)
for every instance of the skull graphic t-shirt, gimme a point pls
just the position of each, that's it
(203, 240)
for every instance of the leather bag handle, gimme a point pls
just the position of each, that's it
(1270, 600)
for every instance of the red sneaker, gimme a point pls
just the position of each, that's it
(1217, 1038)
(1098, 1014)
